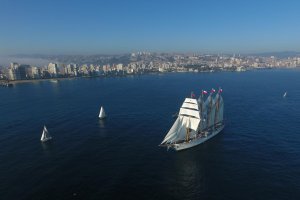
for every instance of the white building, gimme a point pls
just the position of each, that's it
(119, 67)
(52, 69)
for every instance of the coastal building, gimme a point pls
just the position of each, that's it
(75, 70)
(61, 70)
(29, 72)
(14, 65)
(35, 72)
(84, 69)
(71, 70)
(10, 74)
(119, 67)
(106, 68)
(23, 70)
(161, 69)
(52, 69)
(1, 72)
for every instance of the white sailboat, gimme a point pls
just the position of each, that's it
(45, 135)
(102, 114)
(284, 95)
(198, 121)
(54, 80)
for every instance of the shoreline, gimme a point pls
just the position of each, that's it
(36, 80)
(71, 78)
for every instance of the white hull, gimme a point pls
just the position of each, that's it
(196, 141)
(46, 139)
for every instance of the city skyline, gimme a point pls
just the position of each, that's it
(77, 27)
(139, 63)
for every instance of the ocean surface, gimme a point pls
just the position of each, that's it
(256, 156)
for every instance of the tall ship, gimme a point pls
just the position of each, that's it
(198, 121)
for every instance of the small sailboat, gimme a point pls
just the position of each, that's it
(45, 135)
(54, 80)
(284, 95)
(102, 114)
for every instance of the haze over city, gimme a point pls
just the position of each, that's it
(112, 27)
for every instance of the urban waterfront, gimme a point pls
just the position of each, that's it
(255, 157)
(139, 63)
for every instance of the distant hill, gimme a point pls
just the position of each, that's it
(279, 54)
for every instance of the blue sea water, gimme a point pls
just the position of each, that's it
(256, 156)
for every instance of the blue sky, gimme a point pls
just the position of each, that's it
(121, 26)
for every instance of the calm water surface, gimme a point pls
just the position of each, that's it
(257, 156)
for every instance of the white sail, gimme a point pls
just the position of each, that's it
(45, 135)
(208, 101)
(178, 130)
(189, 113)
(196, 122)
(181, 130)
(203, 113)
(190, 106)
(284, 95)
(190, 122)
(189, 117)
(211, 120)
(219, 109)
(210, 111)
(190, 100)
(172, 132)
(102, 113)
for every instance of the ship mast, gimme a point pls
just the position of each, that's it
(187, 134)
(187, 131)
(201, 97)
(201, 113)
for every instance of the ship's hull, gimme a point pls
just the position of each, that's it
(46, 139)
(197, 140)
